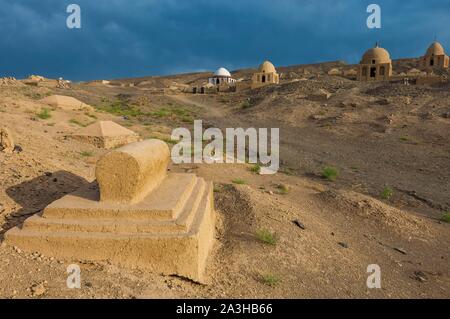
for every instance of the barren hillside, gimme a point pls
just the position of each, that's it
(295, 234)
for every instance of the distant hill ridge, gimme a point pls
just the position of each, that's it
(400, 65)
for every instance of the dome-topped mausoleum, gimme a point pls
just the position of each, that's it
(375, 65)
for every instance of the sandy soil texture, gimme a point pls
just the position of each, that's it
(291, 235)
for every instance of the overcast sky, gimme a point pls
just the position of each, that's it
(130, 38)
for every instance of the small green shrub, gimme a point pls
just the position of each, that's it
(267, 237)
(330, 173)
(37, 95)
(239, 181)
(287, 171)
(161, 113)
(87, 154)
(283, 189)
(270, 280)
(446, 218)
(387, 193)
(76, 122)
(187, 119)
(255, 169)
(180, 113)
(44, 114)
(246, 105)
(93, 116)
(121, 107)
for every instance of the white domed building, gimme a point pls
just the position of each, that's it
(435, 57)
(376, 65)
(221, 76)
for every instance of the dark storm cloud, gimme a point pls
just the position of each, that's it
(123, 38)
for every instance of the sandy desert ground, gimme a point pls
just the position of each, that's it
(379, 136)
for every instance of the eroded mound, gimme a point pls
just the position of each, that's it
(354, 204)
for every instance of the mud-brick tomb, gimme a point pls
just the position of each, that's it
(136, 215)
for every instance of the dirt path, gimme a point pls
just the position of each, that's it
(209, 109)
(418, 172)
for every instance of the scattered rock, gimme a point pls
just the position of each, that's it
(18, 149)
(6, 141)
(426, 116)
(350, 72)
(10, 81)
(388, 119)
(36, 78)
(400, 250)
(321, 95)
(38, 290)
(419, 276)
(383, 102)
(345, 104)
(36, 256)
(335, 71)
(317, 117)
(299, 224)
(407, 100)
(344, 245)
(63, 84)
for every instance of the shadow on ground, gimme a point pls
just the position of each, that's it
(36, 194)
